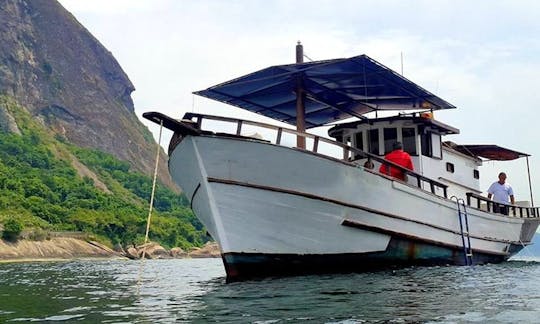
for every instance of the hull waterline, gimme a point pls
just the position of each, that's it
(399, 253)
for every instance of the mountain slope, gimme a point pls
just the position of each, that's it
(41, 190)
(53, 67)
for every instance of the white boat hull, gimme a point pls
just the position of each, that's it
(274, 209)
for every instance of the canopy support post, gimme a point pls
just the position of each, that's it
(300, 102)
(300, 118)
(530, 186)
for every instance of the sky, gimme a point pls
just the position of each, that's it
(481, 56)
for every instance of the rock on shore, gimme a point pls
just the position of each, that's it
(55, 248)
(156, 251)
(70, 248)
(209, 250)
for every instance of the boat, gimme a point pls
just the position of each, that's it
(289, 202)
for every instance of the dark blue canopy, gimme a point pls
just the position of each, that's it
(334, 90)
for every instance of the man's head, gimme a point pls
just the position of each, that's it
(397, 146)
(502, 177)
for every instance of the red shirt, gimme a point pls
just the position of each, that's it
(399, 157)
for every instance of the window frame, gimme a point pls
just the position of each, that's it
(427, 144)
(374, 149)
(414, 137)
(388, 146)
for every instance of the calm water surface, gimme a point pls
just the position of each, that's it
(194, 290)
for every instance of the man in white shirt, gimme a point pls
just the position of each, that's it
(501, 192)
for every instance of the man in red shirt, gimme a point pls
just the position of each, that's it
(400, 157)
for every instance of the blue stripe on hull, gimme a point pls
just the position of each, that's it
(400, 253)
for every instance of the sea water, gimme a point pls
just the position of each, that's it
(194, 290)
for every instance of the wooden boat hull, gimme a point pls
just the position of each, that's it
(399, 253)
(276, 210)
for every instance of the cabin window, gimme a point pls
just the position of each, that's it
(425, 142)
(476, 174)
(373, 139)
(390, 137)
(409, 140)
(449, 167)
(359, 143)
(431, 145)
(436, 146)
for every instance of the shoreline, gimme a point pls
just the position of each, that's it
(59, 249)
(30, 260)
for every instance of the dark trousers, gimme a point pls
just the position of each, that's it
(502, 209)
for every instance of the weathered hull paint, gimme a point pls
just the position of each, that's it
(399, 254)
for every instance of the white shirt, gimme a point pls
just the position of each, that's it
(501, 192)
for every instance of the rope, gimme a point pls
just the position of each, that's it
(153, 191)
(309, 58)
(150, 210)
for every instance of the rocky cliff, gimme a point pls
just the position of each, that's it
(55, 68)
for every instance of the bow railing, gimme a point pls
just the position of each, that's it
(506, 209)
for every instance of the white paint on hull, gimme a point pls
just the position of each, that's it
(249, 220)
(260, 221)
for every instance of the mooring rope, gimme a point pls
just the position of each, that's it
(153, 191)
(150, 208)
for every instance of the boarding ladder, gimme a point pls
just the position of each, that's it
(464, 230)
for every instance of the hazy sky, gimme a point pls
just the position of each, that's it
(481, 56)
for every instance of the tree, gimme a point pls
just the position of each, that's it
(12, 229)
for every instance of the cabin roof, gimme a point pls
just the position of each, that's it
(334, 90)
(488, 151)
(432, 123)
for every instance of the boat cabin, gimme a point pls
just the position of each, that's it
(422, 138)
(314, 94)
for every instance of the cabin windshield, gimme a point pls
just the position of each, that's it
(430, 143)
(408, 135)
(390, 137)
(373, 138)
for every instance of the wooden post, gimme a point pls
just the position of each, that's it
(530, 186)
(300, 118)
(299, 53)
(300, 104)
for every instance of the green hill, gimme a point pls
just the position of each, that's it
(49, 184)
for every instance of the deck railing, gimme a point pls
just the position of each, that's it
(495, 207)
(348, 151)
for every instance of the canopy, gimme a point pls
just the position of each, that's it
(334, 90)
(490, 152)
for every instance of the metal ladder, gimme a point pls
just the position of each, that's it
(465, 237)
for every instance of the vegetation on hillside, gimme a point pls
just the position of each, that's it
(39, 188)
(12, 229)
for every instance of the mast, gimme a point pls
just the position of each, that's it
(300, 102)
